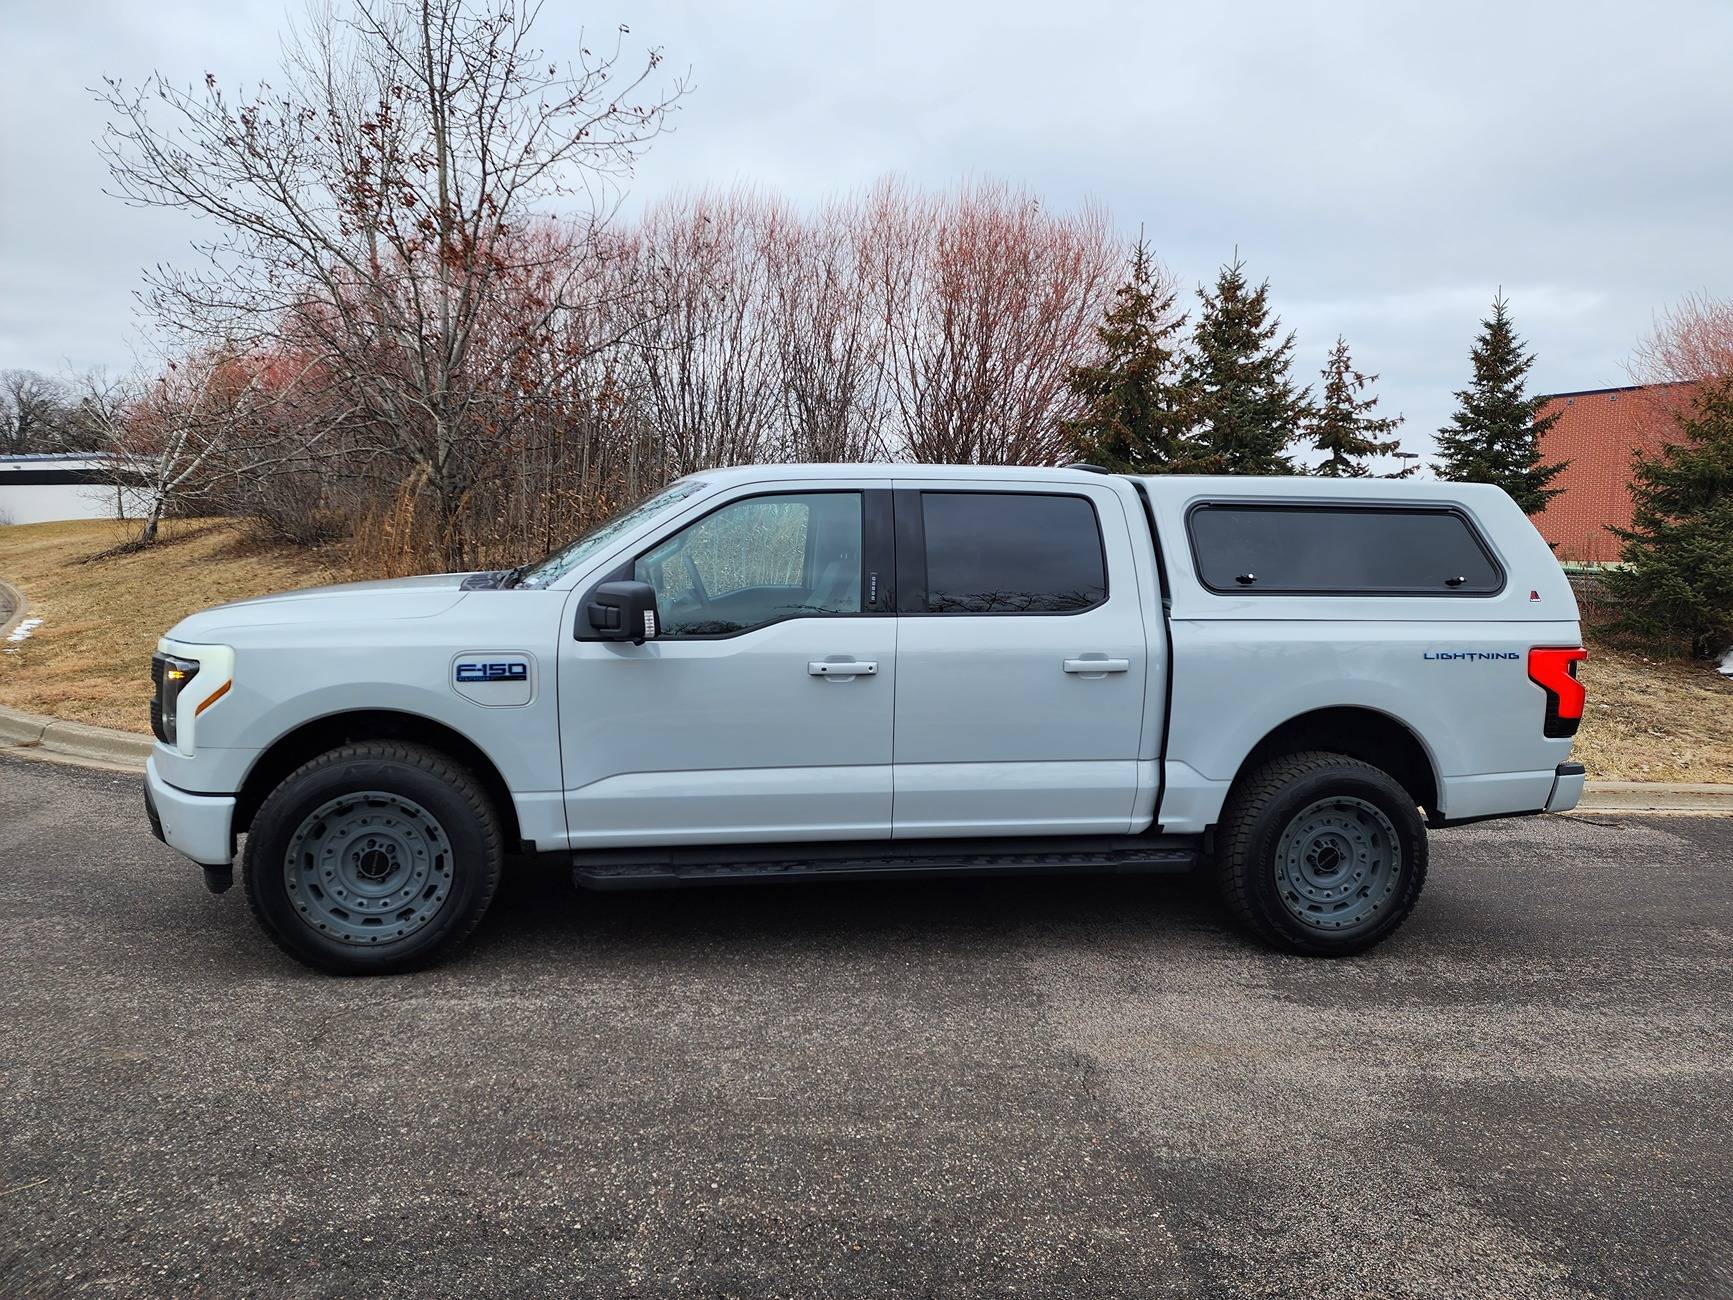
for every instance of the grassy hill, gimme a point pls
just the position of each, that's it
(89, 661)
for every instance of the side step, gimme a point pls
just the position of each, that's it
(662, 868)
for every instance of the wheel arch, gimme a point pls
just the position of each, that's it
(1370, 735)
(320, 735)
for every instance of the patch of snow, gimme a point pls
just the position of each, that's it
(1726, 668)
(20, 633)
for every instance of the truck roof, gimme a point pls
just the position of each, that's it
(884, 469)
(1170, 488)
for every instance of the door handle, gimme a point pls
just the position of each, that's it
(843, 668)
(1097, 667)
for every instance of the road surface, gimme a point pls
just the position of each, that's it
(1044, 1088)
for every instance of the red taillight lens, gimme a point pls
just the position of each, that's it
(1554, 670)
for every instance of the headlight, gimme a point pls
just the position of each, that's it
(188, 680)
(170, 675)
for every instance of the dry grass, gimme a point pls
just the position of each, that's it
(90, 659)
(1655, 719)
(1648, 720)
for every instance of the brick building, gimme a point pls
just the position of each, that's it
(1599, 430)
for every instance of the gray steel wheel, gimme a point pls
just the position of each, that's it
(368, 867)
(1338, 864)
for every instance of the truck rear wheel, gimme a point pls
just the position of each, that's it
(373, 858)
(1321, 854)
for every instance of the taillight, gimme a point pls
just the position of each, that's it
(1554, 670)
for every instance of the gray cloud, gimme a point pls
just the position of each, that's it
(1386, 165)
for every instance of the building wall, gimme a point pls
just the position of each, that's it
(1599, 432)
(43, 489)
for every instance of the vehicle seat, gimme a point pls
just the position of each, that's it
(838, 585)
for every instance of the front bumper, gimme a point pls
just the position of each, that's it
(1567, 788)
(199, 825)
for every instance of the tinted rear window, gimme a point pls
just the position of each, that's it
(1011, 553)
(1340, 550)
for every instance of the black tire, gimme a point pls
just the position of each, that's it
(1275, 886)
(449, 824)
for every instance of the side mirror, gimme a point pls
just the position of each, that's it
(623, 611)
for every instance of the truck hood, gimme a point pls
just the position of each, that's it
(356, 602)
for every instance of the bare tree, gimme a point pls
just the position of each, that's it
(707, 350)
(372, 208)
(829, 349)
(1691, 341)
(100, 412)
(163, 435)
(987, 302)
(32, 413)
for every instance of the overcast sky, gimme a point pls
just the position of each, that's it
(1386, 165)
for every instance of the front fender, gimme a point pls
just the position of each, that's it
(307, 673)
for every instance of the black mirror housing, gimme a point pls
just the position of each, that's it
(623, 611)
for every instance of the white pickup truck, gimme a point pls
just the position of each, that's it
(838, 671)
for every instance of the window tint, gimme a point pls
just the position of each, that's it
(757, 561)
(1340, 549)
(1011, 553)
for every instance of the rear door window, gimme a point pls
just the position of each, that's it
(1011, 553)
(1340, 550)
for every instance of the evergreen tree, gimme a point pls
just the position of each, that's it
(1343, 426)
(1245, 408)
(1494, 437)
(1133, 419)
(1677, 581)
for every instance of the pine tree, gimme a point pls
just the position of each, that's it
(1494, 437)
(1677, 581)
(1133, 419)
(1343, 426)
(1245, 407)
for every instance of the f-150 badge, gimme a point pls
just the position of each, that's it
(497, 679)
(493, 670)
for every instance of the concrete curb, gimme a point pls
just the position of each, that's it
(29, 733)
(1656, 796)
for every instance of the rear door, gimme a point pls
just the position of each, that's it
(1022, 660)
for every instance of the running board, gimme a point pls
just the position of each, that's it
(881, 859)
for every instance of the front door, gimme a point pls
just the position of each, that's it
(762, 710)
(1022, 659)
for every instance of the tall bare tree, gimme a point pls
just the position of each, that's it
(988, 301)
(829, 347)
(372, 207)
(706, 351)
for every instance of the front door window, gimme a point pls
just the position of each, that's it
(758, 561)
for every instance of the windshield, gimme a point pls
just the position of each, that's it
(566, 559)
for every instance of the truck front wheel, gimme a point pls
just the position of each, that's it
(1320, 853)
(373, 858)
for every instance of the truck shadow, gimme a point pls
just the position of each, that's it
(538, 907)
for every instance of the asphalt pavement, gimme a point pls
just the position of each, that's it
(1072, 1087)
